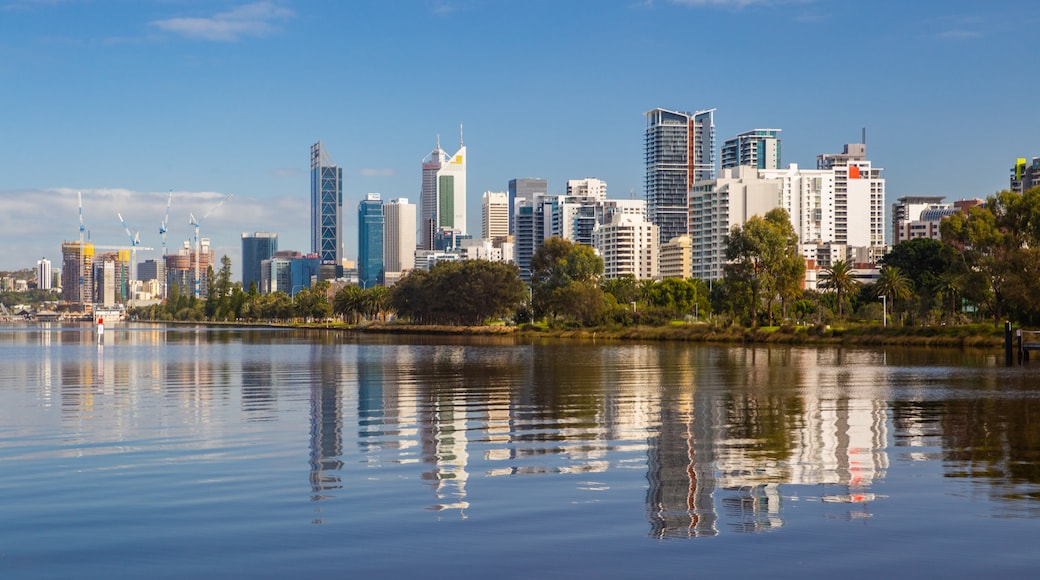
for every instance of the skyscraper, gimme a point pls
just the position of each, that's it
(256, 248)
(680, 150)
(443, 197)
(759, 148)
(43, 274)
(326, 207)
(398, 239)
(370, 241)
(859, 199)
(494, 215)
(523, 188)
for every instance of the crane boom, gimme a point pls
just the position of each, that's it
(196, 223)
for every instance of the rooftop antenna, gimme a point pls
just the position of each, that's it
(864, 135)
(460, 136)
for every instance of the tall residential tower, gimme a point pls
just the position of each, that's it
(680, 151)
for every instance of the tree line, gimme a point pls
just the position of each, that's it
(986, 266)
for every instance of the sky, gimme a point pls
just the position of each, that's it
(127, 100)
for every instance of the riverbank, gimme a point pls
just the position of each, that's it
(966, 336)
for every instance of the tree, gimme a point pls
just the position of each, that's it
(764, 262)
(893, 285)
(347, 303)
(839, 278)
(557, 264)
(459, 293)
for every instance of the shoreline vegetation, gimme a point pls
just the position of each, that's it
(982, 336)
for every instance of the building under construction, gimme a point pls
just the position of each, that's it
(180, 268)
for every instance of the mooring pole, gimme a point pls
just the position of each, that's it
(1009, 351)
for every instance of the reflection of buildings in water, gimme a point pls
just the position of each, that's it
(443, 427)
(753, 508)
(258, 397)
(326, 433)
(371, 404)
(680, 468)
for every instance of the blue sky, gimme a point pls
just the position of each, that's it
(127, 99)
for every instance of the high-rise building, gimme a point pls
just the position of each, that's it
(180, 268)
(676, 259)
(524, 188)
(588, 187)
(370, 241)
(151, 269)
(443, 195)
(759, 148)
(680, 151)
(859, 199)
(326, 208)
(398, 239)
(256, 248)
(77, 273)
(494, 215)
(43, 274)
(628, 245)
(1025, 176)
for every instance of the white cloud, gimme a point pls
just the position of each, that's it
(376, 172)
(256, 19)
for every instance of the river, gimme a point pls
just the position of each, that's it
(172, 452)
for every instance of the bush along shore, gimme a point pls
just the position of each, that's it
(985, 336)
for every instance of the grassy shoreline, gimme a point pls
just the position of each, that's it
(985, 336)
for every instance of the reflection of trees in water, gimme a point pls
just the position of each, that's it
(993, 439)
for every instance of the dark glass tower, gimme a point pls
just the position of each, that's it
(370, 241)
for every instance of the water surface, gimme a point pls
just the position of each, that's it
(188, 451)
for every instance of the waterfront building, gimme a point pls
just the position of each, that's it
(152, 269)
(180, 268)
(859, 200)
(43, 274)
(524, 188)
(759, 148)
(679, 151)
(326, 209)
(77, 273)
(370, 241)
(494, 215)
(717, 205)
(398, 239)
(442, 199)
(256, 248)
(676, 259)
(1025, 176)
(590, 187)
(628, 246)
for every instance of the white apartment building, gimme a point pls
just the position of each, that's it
(676, 259)
(588, 187)
(859, 200)
(628, 245)
(494, 215)
(398, 239)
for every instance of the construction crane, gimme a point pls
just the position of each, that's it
(198, 250)
(135, 241)
(82, 250)
(165, 220)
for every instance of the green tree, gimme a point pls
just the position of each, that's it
(459, 293)
(558, 263)
(839, 278)
(894, 286)
(764, 262)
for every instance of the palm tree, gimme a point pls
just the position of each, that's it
(839, 278)
(347, 303)
(894, 285)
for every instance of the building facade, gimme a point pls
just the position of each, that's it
(759, 148)
(370, 241)
(398, 239)
(256, 248)
(628, 246)
(442, 199)
(1025, 176)
(859, 200)
(679, 151)
(676, 259)
(326, 207)
(43, 274)
(494, 215)
(524, 188)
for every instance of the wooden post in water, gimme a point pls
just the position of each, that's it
(1009, 350)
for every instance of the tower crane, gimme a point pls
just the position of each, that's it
(135, 241)
(198, 250)
(165, 220)
(82, 250)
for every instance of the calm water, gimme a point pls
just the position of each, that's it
(187, 452)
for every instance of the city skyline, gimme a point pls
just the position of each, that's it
(128, 101)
